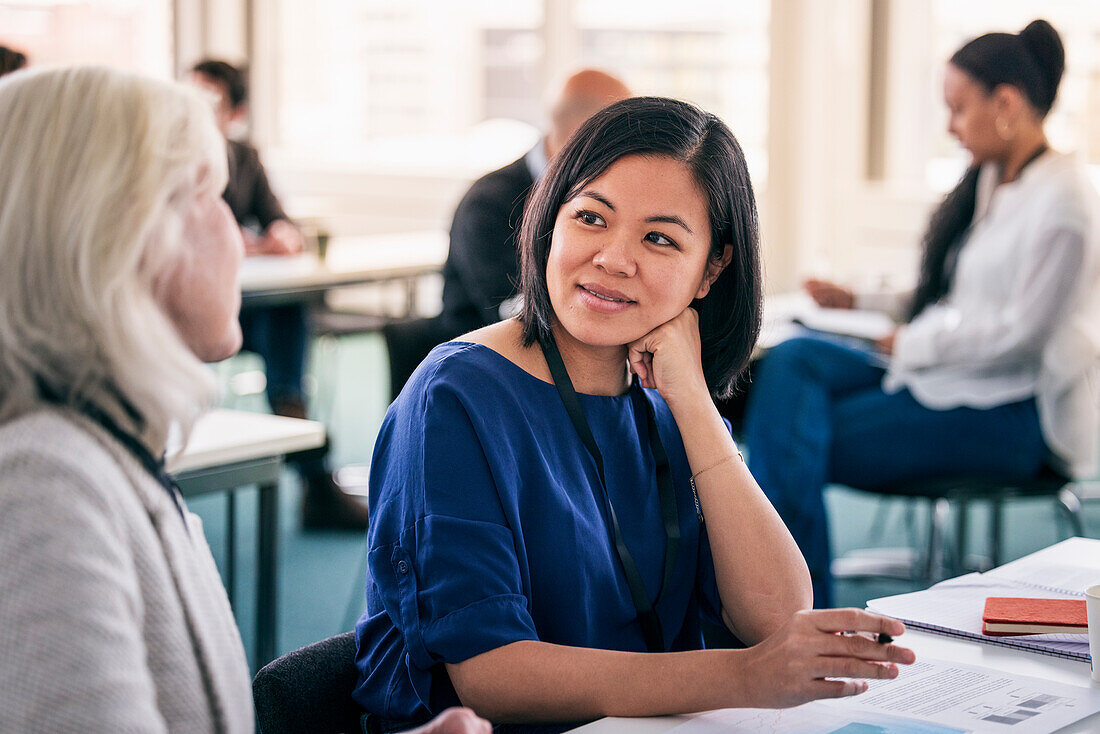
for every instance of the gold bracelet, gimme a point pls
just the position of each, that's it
(695, 492)
(717, 463)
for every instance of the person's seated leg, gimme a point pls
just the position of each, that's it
(281, 336)
(788, 432)
(882, 440)
(284, 348)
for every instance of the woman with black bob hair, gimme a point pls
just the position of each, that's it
(555, 497)
(987, 374)
(729, 318)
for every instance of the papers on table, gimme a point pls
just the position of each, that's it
(954, 607)
(869, 325)
(796, 314)
(1070, 567)
(800, 308)
(928, 697)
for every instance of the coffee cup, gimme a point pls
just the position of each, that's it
(1092, 609)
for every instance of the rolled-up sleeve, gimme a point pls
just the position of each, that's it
(443, 559)
(451, 587)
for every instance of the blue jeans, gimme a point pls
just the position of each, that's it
(280, 335)
(817, 415)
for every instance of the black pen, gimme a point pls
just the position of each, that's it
(881, 638)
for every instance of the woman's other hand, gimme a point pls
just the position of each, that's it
(814, 655)
(282, 238)
(885, 344)
(667, 359)
(830, 295)
(455, 721)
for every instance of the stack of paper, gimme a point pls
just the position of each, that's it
(954, 607)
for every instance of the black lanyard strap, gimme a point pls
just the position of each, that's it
(647, 615)
(153, 466)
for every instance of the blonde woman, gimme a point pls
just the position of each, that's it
(119, 278)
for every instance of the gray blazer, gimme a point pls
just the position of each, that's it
(112, 614)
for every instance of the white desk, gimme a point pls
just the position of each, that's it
(1014, 662)
(273, 279)
(231, 449)
(223, 437)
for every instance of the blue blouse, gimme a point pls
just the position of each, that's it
(487, 528)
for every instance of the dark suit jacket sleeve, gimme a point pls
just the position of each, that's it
(265, 205)
(483, 246)
(249, 194)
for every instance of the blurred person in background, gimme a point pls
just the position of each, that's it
(120, 279)
(481, 273)
(11, 60)
(987, 375)
(279, 334)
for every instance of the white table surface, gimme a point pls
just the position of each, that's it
(349, 261)
(1014, 662)
(229, 436)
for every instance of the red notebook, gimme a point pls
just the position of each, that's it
(1005, 616)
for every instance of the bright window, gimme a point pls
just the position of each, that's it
(426, 84)
(406, 84)
(712, 53)
(135, 35)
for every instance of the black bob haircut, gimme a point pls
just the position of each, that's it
(729, 315)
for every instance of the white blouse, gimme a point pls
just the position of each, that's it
(1022, 317)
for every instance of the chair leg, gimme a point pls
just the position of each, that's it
(326, 369)
(910, 518)
(962, 508)
(878, 523)
(231, 548)
(934, 565)
(996, 521)
(1070, 504)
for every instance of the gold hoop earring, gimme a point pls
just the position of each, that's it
(1004, 129)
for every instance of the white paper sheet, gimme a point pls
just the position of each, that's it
(787, 316)
(955, 606)
(1070, 567)
(928, 697)
(848, 322)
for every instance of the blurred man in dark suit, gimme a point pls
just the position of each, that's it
(482, 265)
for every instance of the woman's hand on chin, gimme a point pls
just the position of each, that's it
(668, 359)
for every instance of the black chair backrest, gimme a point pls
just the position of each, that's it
(408, 343)
(309, 690)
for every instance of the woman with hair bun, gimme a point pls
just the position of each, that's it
(988, 373)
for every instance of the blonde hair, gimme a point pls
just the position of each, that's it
(98, 167)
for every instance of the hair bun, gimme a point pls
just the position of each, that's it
(1045, 46)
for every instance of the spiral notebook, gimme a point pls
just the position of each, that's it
(954, 607)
